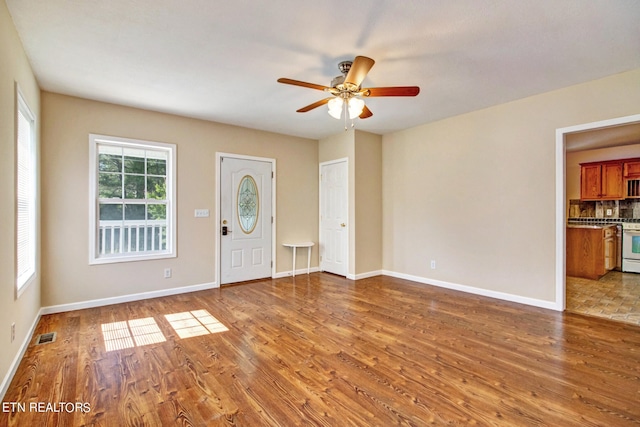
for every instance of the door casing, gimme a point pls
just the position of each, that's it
(218, 224)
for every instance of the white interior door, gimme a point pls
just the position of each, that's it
(245, 211)
(334, 215)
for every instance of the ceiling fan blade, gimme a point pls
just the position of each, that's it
(314, 105)
(358, 71)
(392, 91)
(366, 113)
(303, 84)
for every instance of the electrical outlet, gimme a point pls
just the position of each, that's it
(609, 212)
(167, 273)
(433, 264)
(13, 331)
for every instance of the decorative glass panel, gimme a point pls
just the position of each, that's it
(248, 204)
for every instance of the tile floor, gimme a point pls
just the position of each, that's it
(615, 296)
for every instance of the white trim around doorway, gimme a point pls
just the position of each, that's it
(561, 209)
(219, 156)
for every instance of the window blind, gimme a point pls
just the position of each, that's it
(26, 196)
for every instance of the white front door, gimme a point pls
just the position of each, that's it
(334, 216)
(245, 219)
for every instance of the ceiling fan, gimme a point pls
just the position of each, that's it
(346, 93)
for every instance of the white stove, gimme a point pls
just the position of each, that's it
(631, 247)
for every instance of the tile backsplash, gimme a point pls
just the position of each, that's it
(629, 208)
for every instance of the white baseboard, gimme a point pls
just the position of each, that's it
(551, 305)
(126, 298)
(303, 271)
(16, 360)
(299, 272)
(364, 275)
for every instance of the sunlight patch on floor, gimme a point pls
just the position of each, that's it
(195, 323)
(131, 333)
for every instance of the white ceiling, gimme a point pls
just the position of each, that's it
(219, 60)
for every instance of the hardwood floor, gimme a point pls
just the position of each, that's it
(323, 350)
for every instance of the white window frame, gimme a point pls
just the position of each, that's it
(26, 157)
(170, 252)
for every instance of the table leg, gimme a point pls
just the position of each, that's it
(294, 261)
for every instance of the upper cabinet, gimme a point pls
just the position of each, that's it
(632, 169)
(610, 180)
(632, 178)
(602, 181)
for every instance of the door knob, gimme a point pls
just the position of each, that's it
(343, 225)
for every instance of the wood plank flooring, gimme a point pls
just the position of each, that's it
(323, 350)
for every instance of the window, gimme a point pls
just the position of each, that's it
(26, 191)
(132, 199)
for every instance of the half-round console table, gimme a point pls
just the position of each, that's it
(295, 246)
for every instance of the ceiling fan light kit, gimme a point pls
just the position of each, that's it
(335, 107)
(353, 105)
(356, 105)
(346, 90)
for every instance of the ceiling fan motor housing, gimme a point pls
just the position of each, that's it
(344, 68)
(338, 80)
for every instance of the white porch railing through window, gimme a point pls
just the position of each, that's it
(117, 237)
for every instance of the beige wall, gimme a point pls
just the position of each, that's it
(14, 68)
(67, 123)
(476, 192)
(368, 203)
(338, 146)
(573, 160)
(364, 153)
(342, 146)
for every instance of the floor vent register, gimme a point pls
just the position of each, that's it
(46, 338)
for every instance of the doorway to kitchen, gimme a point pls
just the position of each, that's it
(616, 295)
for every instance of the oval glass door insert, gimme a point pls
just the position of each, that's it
(248, 204)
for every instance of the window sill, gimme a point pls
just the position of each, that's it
(21, 289)
(132, 258)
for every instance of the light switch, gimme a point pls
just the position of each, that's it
(202, 213)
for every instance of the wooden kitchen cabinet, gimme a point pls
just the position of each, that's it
(632, 178)
(632, 169)
(591, 251)
(610, 248)
(601, 181)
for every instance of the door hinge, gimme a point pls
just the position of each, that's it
(271, 174)
(271, 264)
(271, 220)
